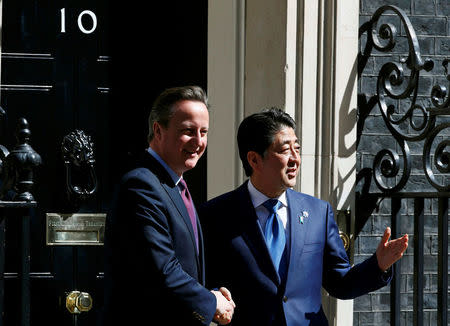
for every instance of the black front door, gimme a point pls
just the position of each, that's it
(94, 66)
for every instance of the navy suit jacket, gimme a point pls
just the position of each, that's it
(153, 273)
(237, 257)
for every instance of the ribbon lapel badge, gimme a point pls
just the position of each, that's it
(302, 216)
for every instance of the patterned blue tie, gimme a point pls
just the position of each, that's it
(274, 232)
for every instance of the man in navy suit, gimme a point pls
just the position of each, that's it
(275, 248)
(154, 273)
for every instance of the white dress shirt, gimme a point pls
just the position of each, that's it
(258, 199)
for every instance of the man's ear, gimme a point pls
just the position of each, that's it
(157, 130)
(254, 159)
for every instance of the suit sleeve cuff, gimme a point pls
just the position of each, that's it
(386, 276)
(205, 317)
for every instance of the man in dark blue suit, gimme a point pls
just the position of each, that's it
(154, 273)
(275, 248)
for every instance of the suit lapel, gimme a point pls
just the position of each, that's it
(253, 234)
(298, 230)
(174, 194)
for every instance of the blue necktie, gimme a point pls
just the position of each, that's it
(274, 232)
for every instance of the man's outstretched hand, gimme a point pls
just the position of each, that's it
(388, 252)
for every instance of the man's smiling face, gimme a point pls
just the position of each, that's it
(278, 168)
(184, 140)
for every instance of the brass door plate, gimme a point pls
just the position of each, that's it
(78, 229)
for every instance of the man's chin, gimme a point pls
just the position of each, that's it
(190, 164)
(290, 183)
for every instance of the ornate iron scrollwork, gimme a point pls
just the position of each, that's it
(78, 154)
(391, 170)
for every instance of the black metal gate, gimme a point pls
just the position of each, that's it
(411, 120)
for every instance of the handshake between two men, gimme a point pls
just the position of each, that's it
(225, 306)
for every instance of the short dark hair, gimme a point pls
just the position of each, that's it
(163, 107)
(257, 132)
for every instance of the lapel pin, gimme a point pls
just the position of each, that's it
(302, 217)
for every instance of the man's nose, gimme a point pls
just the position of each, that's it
(294, 155)
(197, 138)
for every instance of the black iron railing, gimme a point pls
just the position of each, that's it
(426, 122)
(16, 174)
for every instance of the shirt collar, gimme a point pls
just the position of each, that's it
(175, 177)
(258, 198)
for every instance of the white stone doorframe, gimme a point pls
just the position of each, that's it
(300, 55)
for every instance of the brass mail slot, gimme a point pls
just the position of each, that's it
(79, 229)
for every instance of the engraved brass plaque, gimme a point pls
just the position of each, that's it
(78, 229)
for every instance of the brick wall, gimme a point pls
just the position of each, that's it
(431, 22)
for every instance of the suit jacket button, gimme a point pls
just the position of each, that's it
(285, 299)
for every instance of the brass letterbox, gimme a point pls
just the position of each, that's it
(78, 229)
